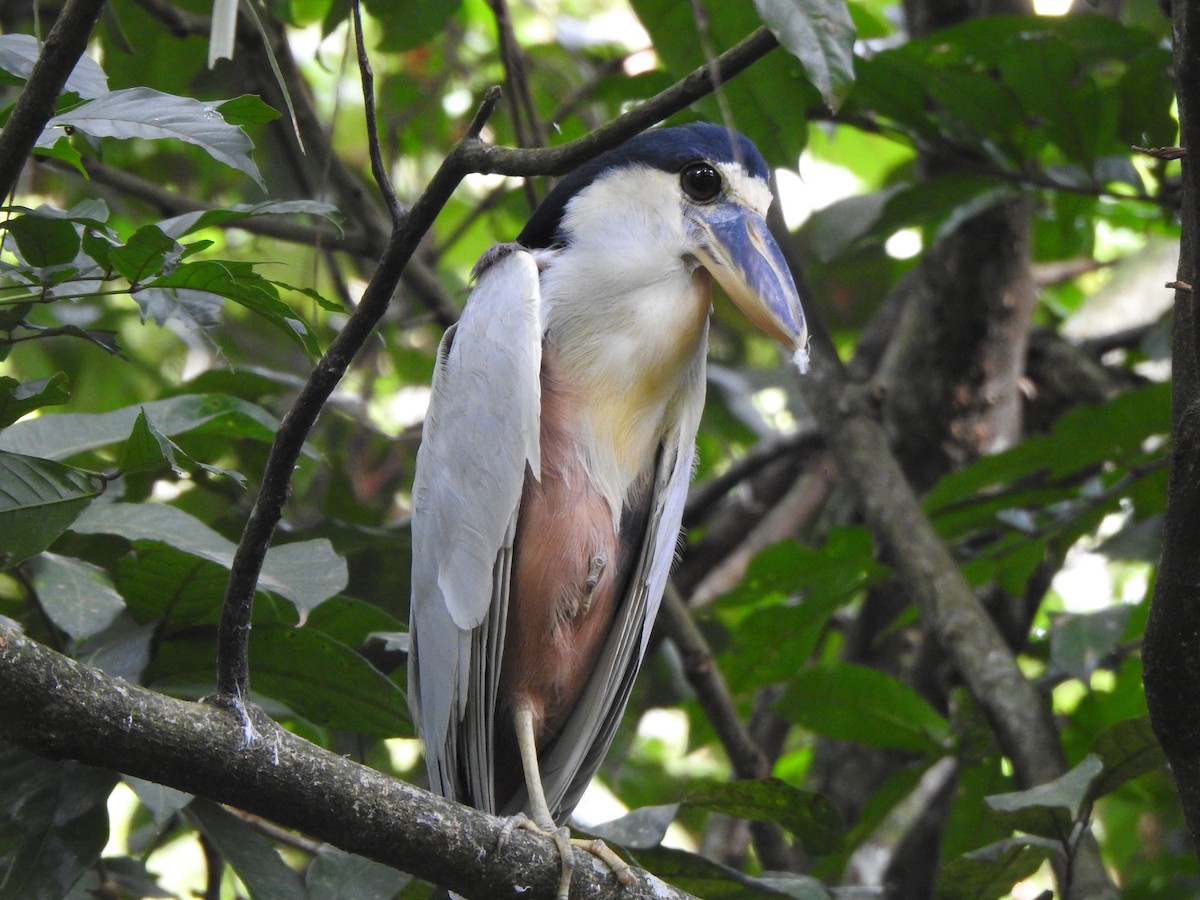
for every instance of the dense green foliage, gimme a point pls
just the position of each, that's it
(174, 264)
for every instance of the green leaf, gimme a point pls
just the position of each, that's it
(335, 874)
(854, 703)
(254, 858)
(820, 34)
(143, 255)
(39, 499)
(305, 573)
(638, 829)
(812, 818)
(352, 622)
(18, 398)
(411, 24)
(1080, 644)
(68, 434)
(78, 597)
(19, 52)
(149, 450)
(1069, 791)
(144, 113)
(319, 679)
(248, 109)
(178, 226)
(53, 823)
(162, 802)
(239, 282)
(1127, 749)
(44, 240)
(703, 877)
(990, 872)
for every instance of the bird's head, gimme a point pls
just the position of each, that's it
(699, 190)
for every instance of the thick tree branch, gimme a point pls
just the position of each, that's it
(1171, 653)
(61, 709)
(64, 45)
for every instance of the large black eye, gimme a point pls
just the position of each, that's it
(700, 181)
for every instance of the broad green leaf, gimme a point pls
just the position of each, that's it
(854, 703)
(143, 255)
(164, 584)
(812, 818)
(253, 857)
(44, 240)
(67, 434)
(179, 226)
(1080, 644)
(248, 109)
(1127, 749)
(77, 596)
(335, 874)
(39, 499)
(149, 450)
(1069, 791)
(152, 115)
(638, 829)
(163, 802)
(820, 34)
(239, 282)
(305, 573)
(319, 679)
(19, 398)
(351, 622)
(53, 823)
(703, 877)
(194, 310)
(19, 52)
(408, 25)
(763, 100)
(990, 872)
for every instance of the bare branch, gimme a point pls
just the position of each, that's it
(61, 709)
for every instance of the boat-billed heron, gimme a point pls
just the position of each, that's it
(556, 457)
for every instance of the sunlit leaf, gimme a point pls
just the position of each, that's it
(19, 52)
(820, 34)
(67, 434)
(152, 115)
(305, 573)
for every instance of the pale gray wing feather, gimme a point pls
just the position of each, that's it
(481, 434)
(580, 748)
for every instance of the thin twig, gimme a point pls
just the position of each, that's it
(378, 169)
(63, 48)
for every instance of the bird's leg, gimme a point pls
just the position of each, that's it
(599, 561)
(543, 823)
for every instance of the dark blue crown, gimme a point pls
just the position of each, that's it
(668, 149)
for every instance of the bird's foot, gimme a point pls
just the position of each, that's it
(566, 850)
(561, 838)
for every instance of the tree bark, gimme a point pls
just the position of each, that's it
(61, 709)
(1171, 651)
